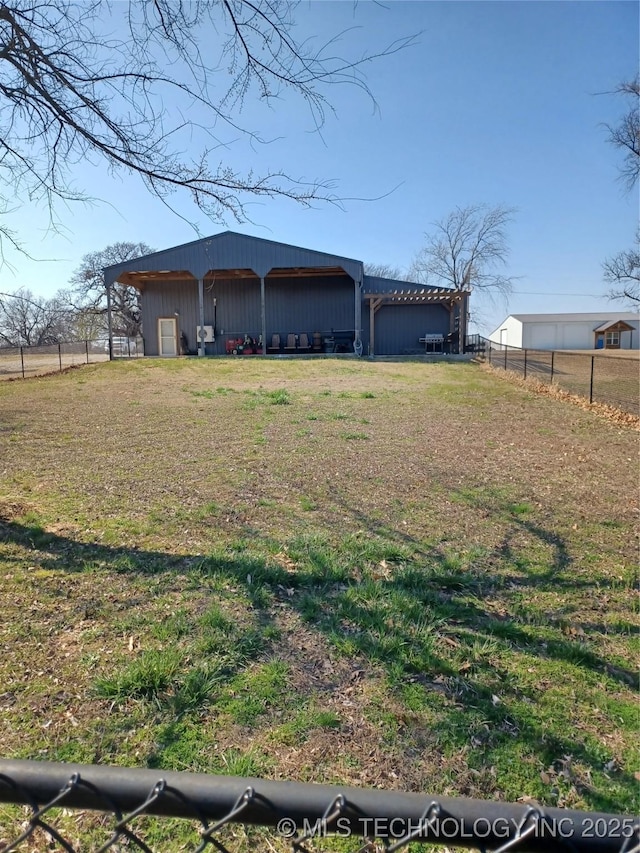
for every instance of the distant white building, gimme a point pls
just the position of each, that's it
(604, 330)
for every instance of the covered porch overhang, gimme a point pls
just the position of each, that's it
(455, 301)
(142, 278)
(611, 327)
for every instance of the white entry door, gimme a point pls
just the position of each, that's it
(167, 336)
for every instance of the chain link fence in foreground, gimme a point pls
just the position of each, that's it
(298, 813)
(599, 377)
(23, 362)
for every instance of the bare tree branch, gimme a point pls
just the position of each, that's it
(28, 320)
(626, 134)
(622, 272)
(385, 271)
(70, 91)
(466, 250)
(88, 291)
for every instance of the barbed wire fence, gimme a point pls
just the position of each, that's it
(598, 377)
(298, 813)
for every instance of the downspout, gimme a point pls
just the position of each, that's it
(108, 286)
(201, 315)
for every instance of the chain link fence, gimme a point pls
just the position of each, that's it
(599, 377)
(295, 814)
(26, 361)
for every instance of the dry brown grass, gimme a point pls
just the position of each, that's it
(137, 495)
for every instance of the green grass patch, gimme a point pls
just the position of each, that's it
(279, 397)
(222, 592)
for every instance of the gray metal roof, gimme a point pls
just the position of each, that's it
(609, 323)
(232, 251)
(590, 317)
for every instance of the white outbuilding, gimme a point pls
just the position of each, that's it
(604, 330)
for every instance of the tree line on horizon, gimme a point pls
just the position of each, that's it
(68, 96)
(465, 250)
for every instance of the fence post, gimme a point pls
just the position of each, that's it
(506, 347)
(489, 352)
(128, 346)
(593, 358)
(22, 360)
(60, 357)
(552, 355)
(86, 349)
(525, 364)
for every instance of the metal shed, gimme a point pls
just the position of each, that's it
(233, 292)
(235, 284)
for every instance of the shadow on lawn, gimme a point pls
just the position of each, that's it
(412, 610)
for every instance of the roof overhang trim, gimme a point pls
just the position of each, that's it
(140, 278)
(614, 325)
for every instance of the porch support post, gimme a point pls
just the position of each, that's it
(374, 304)
(372, 328)
(200, 314)
(108, 286)
(263, 316)
(357, 315)
(464, 322)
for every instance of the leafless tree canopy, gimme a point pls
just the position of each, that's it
(622, 273)
(29, 320)
(385, 271)
(626, 134)
(70, 91)
(467, 249)
(88, 293)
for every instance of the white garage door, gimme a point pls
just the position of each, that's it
(542, 336)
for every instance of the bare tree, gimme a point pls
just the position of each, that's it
(72, 91)
(88, 293)
(626, 134)
(466, 250)
(29, 320)
(622, 272)
(385, 271)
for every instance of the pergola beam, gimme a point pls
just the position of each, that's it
(374, 304)
(443, 297)
(449, 299)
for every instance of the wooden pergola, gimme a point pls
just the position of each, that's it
(450, 299)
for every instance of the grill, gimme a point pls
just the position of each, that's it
(432, 342)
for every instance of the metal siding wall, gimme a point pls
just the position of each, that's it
(297, 305)
(399, 327)
(309, 305)
(364, 337)
(163, 300)
(238, 308)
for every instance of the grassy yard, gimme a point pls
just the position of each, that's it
(400, 575)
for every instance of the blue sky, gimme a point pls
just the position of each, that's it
(496, 102)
